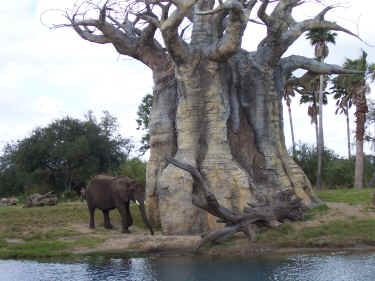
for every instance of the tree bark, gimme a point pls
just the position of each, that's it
(216, 107)
(283, 205)
(359, 168)
(320, 144)
(291, 130)
(348, 130)
(229, 126)
(361, 110)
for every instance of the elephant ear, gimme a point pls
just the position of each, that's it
(125, 188)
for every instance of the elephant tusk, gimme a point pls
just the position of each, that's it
(136, 202)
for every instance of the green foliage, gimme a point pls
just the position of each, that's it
(143, 121)
(133, 168)
(62, 156)
(318, 35)
(337, 172)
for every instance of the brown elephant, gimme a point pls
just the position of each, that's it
(107, 193)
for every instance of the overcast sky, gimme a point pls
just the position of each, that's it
(49, 74)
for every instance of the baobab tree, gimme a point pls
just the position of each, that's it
(216, 107)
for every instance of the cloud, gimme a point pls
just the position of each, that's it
(48, 74)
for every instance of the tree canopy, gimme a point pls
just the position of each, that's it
(63, 155)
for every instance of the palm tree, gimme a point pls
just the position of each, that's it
(344, 103)
(357, 88)
(309, 95)
(319, 37)
(288, 93)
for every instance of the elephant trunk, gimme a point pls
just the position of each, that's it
(141, 207)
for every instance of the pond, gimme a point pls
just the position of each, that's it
(335, 267)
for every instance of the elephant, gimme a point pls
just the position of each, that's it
(107, 193)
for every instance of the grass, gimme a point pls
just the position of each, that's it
(349, 196)
(336, 233)
(316, 212)
(46, 248)
(47, 231)
(345, 232)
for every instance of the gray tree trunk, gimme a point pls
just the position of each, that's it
(320, 143)
(291, 130)
(361, 110)
(359, 168)
(348, 131)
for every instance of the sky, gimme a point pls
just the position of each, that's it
(49, 74)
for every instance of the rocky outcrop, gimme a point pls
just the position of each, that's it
(40, 200)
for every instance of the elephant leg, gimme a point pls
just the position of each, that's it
(92, 217)
(107, 221)
(124, 217)
(130, 219)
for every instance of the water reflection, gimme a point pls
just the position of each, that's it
(297, 268)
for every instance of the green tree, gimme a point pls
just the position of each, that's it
(143, 121)
(309, 95)
(289, 92)
(344, 103)
(356, 87)
(67, 152)
(319, 37)
(133, 168)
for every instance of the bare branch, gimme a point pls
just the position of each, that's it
(249, 8)
(294, 62)
(231, 40)
(262, 12)
(86, 34)
(149, 18)
(297, 29)
(177, 16)
(176, 46)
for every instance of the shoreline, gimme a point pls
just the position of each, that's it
(241, 247)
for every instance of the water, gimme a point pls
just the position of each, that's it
(295, 268)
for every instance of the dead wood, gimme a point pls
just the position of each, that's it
(283, 205)
(39, 200)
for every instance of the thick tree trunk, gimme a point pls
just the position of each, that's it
(228, 124)
(163, 137)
